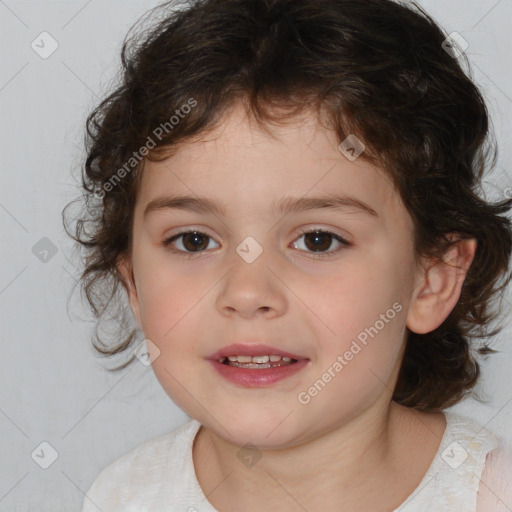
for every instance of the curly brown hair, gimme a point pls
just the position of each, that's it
(378, 69)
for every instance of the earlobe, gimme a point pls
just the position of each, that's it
(439, 286)
(125, 268)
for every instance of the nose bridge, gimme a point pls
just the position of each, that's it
(251, 284)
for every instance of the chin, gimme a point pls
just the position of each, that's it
(265, 430)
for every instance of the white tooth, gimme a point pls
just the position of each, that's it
(260, 359)
(286, 359)
(244, 359)
(232, 358)
(274, 359)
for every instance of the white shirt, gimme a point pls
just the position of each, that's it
(471, 472)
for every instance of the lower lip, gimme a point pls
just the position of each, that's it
(254, 377)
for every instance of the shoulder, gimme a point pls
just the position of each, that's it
(495, 486)
(138, 471)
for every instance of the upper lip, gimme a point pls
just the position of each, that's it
(252, 349)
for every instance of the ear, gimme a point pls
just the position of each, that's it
(124, 265)
(438, 287)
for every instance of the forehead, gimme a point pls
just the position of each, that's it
(239, 166)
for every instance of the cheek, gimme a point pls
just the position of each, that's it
(172, 316)
(361, 303)
(170, 303)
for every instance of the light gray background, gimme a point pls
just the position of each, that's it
(53, 387)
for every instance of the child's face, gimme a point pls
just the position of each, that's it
(190, 307)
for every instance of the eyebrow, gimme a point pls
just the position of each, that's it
(284, 206)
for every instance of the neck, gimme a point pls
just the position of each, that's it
(354, 464)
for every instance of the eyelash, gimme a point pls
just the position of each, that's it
(167, 243)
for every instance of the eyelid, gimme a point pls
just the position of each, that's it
(332, 231)
(345, 243)
(167, 242)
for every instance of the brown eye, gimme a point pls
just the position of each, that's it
(319, 241)
(191, 242)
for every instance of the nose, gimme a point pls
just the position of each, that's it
(252, 289)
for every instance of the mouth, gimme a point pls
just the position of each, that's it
(256, 365)
(253, 353)
(257, 362)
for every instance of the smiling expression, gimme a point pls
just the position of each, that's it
(306, 294)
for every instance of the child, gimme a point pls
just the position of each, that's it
(324, 157)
